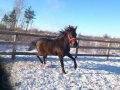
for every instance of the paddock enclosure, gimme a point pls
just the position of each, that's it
(102, 48)
(94, 72)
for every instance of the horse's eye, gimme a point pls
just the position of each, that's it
(74, 34)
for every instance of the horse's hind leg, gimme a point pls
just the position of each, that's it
(38, 49)
(44, 57)
(62, 64)
(39, 59)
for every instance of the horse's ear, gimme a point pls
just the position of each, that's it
(75, 28)
(69, 26)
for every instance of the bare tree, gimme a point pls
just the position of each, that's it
(2, 13)
(19, 4)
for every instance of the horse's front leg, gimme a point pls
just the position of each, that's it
(62, 64)
(70, 56)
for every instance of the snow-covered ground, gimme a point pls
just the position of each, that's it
(27, 73)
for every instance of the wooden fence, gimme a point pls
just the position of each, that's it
(107, 48)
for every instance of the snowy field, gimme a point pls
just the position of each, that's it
(27, 73)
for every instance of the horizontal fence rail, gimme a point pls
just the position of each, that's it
(34, 53)
(94, 47)
(24, 34)
(16, 34)
(93, 40)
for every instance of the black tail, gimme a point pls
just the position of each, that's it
(32, 45)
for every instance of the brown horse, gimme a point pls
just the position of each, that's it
(59, 46)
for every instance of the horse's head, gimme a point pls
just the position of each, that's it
(71, 35)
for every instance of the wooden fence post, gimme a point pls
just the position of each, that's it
(77, 49)
(14, 46)
(108, 50)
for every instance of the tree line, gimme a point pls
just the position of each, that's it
(11, 20)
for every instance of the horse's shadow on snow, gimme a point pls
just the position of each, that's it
(98, 66)
(98, 59)
(108, 68)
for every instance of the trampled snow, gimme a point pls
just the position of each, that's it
(28, 73)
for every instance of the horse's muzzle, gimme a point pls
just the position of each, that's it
(75, 44)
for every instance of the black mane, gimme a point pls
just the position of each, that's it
(66, 29)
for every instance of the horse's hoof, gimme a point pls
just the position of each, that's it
(64, 72)
(44, 63)
(75, 67)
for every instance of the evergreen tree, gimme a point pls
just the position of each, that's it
(12, 19)
(5, 20)
(29, 16)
